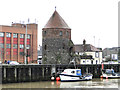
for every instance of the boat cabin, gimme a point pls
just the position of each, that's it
(75, 72)
(108, 71)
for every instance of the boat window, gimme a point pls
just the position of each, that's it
(109, 71)
(73, 72)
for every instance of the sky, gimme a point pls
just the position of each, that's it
(96, 21)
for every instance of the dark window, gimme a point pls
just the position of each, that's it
(73, 72)
(45, 47)
(45, 32)
(63, 46)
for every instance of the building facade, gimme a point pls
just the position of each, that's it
(87, 54)
(12, 42)
(110, 54)
(56, 41)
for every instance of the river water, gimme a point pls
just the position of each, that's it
(95, 83)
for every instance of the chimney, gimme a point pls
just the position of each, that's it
(84, 42)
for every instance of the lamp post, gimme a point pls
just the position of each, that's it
(25, 61)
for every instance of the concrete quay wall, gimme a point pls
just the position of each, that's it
(31, 73)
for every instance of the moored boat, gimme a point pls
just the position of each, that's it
(109, 73)
(74, 75)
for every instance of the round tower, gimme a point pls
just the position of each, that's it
(56, 41)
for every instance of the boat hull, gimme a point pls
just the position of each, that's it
(66, 78)
(110, 76)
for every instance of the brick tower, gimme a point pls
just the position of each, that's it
(57, 46)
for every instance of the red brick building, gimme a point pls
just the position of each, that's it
(12, 42)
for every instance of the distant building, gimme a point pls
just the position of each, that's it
(87, 54)
(56, 41)
(12, 42)
(111, 53)
(39, 59)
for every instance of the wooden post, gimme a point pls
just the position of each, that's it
(4, 73)
(43, 72)
(30, 74)
(15, 74)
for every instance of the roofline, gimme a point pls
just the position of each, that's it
(57, 28)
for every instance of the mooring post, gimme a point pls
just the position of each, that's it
(15, 74)
(4, 73)
(86, 69)
(30, 74)
(43, 72)
(53, 70)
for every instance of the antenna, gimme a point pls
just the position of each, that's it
(94, 40)
(35, 20)
(99, 42)
(23, 22)
(28, 20)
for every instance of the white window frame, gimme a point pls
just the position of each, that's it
(15, 35)
(21, 35)
(8, 34)
(1, 34)
(21, 46)
(15, 46)
(8, 45)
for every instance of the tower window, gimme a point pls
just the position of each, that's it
(67, 33)
(61, 33)
(63, 46)
(45, 32)
(45, 47)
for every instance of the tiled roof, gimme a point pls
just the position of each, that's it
(85, 48)
(56, 21)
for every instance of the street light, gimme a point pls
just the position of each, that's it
(26, 44)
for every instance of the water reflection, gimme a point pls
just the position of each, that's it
(95, 83)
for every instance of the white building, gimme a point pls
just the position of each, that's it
(88, 54)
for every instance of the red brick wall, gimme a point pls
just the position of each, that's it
(20, 29)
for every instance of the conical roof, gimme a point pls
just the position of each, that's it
(56, 21)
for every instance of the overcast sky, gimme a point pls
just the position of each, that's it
(93, 20)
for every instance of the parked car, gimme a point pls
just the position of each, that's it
(13, 63)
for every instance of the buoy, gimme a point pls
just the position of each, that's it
(52, 78)
(101, 76)
(106, 77)
(57, 78)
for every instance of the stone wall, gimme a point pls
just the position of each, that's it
(56, 51)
